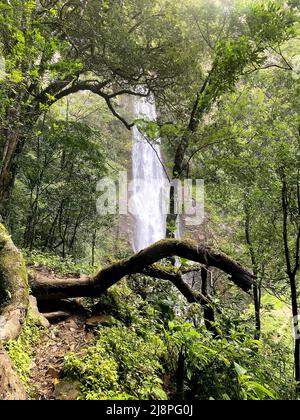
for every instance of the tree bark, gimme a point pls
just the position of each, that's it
(140, 263)
(209, 314)
(296, 329)
(14, 293)
(13, 309)
(11, 387)
(292, 270)
(257, 283)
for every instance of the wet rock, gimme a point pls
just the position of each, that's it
(67, 390)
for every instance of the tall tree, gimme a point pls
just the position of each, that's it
(239, 40)
(51, 49)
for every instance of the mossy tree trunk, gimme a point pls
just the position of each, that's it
(11, 387)
(144, 263)
(14, 296)
(14, 292)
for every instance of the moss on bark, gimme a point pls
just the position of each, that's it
(14, 291)
(142, 263)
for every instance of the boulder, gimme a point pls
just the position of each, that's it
(67, 389)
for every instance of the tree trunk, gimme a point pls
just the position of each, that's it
(93, 247)
(141, 263)
(20, 120)
(209, 314)
(292, 271)
(13, 309)
(171, 217)
(296, 329)
(14, 292)
(11, 387)
(8, 173)
(180, 376)
(257, 306)
(257, 283)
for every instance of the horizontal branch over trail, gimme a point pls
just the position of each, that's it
(143, 263)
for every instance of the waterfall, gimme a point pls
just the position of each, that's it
(148, 181)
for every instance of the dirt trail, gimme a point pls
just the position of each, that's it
(47, 359)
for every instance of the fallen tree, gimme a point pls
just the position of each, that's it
(14, 291)
(144, 263)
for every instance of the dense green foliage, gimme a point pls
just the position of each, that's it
(20, 351)
(137, 358)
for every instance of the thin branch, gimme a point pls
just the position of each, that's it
(97, 88)
(130, 92)
(115, 113)
(157, 155)
(176, 278)
(206, 146)
(207, 40)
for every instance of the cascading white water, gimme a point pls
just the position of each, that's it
(148, 182)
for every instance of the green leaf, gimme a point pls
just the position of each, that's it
(239, 369)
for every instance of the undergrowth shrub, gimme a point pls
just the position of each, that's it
(57, 264)
(231, 366)
(122, 364)
(20, 350)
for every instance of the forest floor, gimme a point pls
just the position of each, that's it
(62, 337)
(70, 335)
(48, 355)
